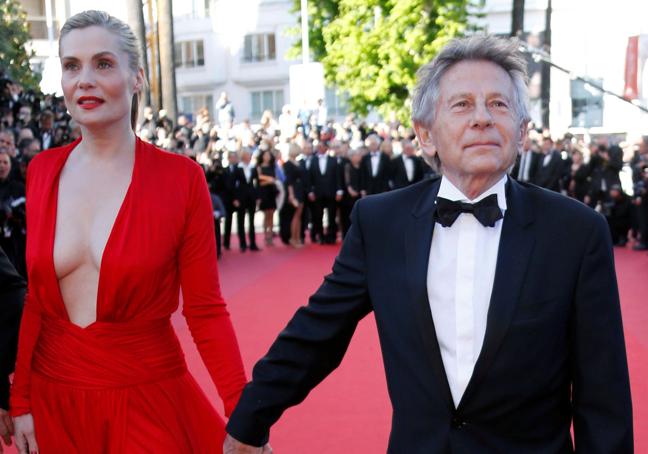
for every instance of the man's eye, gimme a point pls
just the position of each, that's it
(70, 66)
(500, 104)
(461, 104)
(104, 65)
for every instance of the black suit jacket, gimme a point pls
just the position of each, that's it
(399, 172)
(553, 351)
(247, 192)
(379, 183)
(324, 186)
(549, 176)
(12, 293)
(533, 166)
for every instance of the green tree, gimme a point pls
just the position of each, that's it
(371, 49)
(14, 33)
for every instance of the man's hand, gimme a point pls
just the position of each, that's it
(233, 446)
(25, 437)
(6, 428)
(311, 196)
(236, 203)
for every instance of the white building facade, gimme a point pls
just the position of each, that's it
(240, 46)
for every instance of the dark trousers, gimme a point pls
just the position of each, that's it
(229, 214)
(246, 210)
(307, 217)
(285, 219)
(321, 204)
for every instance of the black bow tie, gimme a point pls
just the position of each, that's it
(487, 211)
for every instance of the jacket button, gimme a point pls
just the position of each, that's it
(458, 423)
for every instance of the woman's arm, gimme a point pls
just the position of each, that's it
(204, 307)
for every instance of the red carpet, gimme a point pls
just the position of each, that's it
(349, 412)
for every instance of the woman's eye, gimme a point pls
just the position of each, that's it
(70, 66)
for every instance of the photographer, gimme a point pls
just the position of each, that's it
(605, 164)
(12, 215)
(618, 213)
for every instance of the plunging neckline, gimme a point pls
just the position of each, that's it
(124, 202)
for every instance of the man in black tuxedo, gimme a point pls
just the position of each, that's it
(232, 177)
(549, 170)
(12, 293)
(407, 168)
(248, 194)
(305, 163)
(325, 191)
(527, 162)
(484, 350)
(375, 168)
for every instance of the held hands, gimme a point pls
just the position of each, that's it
(24, 434)
(233, 446)
(6, 428)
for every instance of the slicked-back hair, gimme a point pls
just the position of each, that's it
(128, 42)
(502, 52)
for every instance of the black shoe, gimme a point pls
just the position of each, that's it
(254, 249)
(243, 248)
(226, 247)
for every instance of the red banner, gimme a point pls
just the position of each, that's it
(631, 90)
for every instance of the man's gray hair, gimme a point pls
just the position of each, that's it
(503, 52)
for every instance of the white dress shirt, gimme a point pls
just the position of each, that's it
(525, 165)
(247, 170)
(375, 162)
(323, 160)
(460, 277)
(409, 167)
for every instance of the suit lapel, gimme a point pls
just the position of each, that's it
(516, 246)
(418, 239)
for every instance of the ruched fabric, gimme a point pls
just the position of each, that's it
(121, 385)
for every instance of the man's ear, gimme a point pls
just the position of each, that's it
(524, 125)
(425, 139)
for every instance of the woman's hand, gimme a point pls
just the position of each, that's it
(24, 434)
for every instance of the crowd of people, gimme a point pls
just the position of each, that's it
(302, 173)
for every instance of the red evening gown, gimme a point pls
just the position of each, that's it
(121, 385)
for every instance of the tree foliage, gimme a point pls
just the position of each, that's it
(14, 33)
(371, 49)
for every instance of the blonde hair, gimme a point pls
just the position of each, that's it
(128, 43)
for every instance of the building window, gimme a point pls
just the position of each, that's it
(587, 104)
(272, 100)
(190, 105)
(37, 19)
(189, 54)
(336, 104)
(259, 47)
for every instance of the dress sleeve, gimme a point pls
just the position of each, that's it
(30, 325)
(204, 307)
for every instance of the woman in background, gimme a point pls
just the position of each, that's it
(295, 192)
(267, 191)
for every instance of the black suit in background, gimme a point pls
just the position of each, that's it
(399, 172)
(12, 294)
(534, 160)
(380, 182)
(307, 212)
(232, 176)
(351, 181)
(553, 351)
(247, 193)
(549, 175)
(325, 186)
(604, 173)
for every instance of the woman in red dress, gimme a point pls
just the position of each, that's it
(116, 228)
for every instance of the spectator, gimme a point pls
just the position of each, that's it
(617, 211)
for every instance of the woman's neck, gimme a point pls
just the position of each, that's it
(104, 143)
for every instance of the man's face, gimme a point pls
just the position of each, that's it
(476, 131)
(5, 165)
(7, 144)
(547, 146)
(24, 114)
